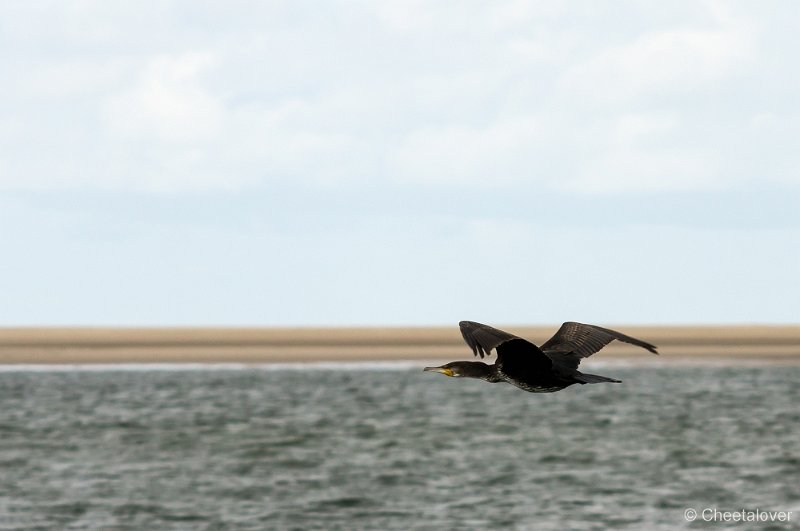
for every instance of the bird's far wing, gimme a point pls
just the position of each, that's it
(514, 352)
(575, 341)
(482, 338)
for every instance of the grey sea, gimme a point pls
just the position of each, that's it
(391, 447)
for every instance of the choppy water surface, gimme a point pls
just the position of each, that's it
(393, 448)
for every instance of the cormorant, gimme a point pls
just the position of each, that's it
(545, 369)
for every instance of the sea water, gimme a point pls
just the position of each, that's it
(390, 447)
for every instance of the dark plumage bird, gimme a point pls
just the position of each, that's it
(545, 369)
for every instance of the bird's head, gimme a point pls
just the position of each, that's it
(463, 369)
(449, 369)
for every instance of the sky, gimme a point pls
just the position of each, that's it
(192, 163)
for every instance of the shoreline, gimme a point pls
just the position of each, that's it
(762, 344)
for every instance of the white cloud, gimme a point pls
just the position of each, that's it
(626, 170)
(497, 153)
(636, 157)
(451, 94)
(71, 79)
(660, 62)
(168, 102)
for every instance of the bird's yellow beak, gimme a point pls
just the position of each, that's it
(446, 372)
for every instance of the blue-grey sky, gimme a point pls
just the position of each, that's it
(399, 162)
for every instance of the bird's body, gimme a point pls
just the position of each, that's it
(545, 369)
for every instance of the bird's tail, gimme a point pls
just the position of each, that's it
(584, 378)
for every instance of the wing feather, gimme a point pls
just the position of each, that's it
(575, 341)
(483, 338)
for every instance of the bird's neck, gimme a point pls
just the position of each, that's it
(482, 371)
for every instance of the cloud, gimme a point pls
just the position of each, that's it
(467, 95)
(168, 102)
(497, 153)
(627, 170)
(636, 157)
(660, 62)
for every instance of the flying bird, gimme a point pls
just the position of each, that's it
(545, 369)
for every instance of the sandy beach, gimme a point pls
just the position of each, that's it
(677, 344)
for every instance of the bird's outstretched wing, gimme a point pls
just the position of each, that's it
(482, 338)
(575, 341)
(513, 352)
